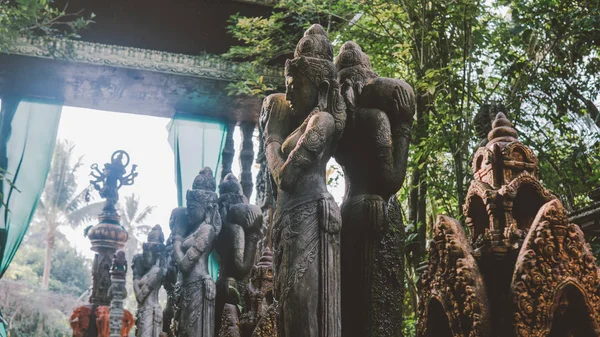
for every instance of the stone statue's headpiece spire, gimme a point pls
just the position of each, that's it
(314, 44)
(351, 55)
(502, 130)
(205, 180)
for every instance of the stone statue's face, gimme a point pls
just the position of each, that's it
(196, 213)
(302, 93)
(148, 257)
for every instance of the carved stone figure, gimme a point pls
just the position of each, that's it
(172, 281)
(523, 269)
(259, 294)
(149, 269)
(191, 248)
(236, 244)
(373, 153)
(308, 221)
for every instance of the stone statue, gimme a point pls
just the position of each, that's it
(191, 248)
(172, 280)
(307, 223)
(236, 244)
(373, 153)
(149, 269)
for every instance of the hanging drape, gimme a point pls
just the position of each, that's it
(197, 142)
(30, 138)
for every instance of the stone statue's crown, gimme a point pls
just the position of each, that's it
(156, 235)
(205, 180)
(502, 130)
(351, 55)
(230, 184)
(314, 44)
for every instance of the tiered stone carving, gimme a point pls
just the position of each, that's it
(236, 243)
(149, 269)
(191, 248)
(307, 222)
(373, 153)
(117, 293)
(522, 254)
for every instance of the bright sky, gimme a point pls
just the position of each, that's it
(97, 134)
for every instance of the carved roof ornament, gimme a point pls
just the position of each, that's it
(522, 269)
(206, 65)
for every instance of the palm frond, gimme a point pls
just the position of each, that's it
(144, 214)
(84, 214)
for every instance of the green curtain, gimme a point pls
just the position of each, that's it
(197, 142)
(29, 152)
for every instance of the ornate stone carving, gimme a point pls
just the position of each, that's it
(108, 235)
(117, 292)
(191, 248)
(555, 257)
(236, 243)
(308, 220)
(373, 153)
(535, 269)
(259, 294)
(149, 269)
(209, 66)
(453, 280)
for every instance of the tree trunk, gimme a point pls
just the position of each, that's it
(50, 237)
(418, 192)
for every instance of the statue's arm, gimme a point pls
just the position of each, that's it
(186, 261)
(308, 150)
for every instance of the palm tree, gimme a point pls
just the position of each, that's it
(132, 218)
(61, 203)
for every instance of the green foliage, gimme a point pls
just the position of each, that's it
(31, 312)
(36, 18)
(70, 273)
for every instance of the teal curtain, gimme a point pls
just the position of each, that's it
(197, 142)
(29, 152)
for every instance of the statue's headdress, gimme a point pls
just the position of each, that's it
(230, 193)
(156, 239)
(203, 193)
(351, 55)
(313, 57)
(205, 180)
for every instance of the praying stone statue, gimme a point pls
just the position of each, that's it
(172, 281)
(236, 244)
(149, 269)
(191, 248)
(373, 153)
(307, 223)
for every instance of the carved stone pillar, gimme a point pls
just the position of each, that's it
(247, 157)
(117, 292)
(228, 151)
